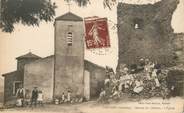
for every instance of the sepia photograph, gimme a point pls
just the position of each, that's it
(92, 56)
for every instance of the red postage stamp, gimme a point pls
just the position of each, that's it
(97, 34)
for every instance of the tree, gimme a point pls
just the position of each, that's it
(32, 12)
(27, 12)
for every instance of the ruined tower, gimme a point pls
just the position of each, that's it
(145, 31)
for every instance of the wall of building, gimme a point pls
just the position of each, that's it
(97, 77)
(69, 60)
(40, 74)
(10, 78)
(153, 39)
(22, 62)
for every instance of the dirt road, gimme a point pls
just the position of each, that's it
(174, 105)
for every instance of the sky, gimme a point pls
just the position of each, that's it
(40, 40)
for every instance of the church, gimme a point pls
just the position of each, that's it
(65, 70)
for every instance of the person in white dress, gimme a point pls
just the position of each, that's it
(40, 98)
(69, 96)
(20, 94)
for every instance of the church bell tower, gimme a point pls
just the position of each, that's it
(69, 55)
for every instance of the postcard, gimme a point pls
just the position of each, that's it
(92, 56)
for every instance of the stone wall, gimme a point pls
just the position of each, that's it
(178, 43)
(152, 36)
(69, 60)
(22, 62)
(40, 74)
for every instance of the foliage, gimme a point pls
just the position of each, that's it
(32, 12)
(27, 12)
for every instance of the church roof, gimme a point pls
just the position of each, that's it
(17, 72)
(69, 17)
(88, 64)
(28, 55)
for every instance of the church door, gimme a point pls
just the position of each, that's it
(87, 84)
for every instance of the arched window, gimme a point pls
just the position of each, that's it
(69, 38)
(138, 23)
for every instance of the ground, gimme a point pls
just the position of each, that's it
(156, 105)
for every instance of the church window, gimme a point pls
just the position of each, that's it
(69, 38)
(136, 26)
(138, 23)
(16, 86)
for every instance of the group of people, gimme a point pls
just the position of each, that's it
(24, 98)
(64, 98)
(36, 98)
(69, 99)
(132, 79)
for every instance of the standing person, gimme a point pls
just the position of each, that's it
(34, 96)
(63, 98)
(102, 96)
(155, 77)
(106, 82)
(121, 87)
(27, 97)
(40, 98)
(20, 94)
(68, 96)
(147, 69)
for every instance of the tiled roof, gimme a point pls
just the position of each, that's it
(69, 17)
(28, 55)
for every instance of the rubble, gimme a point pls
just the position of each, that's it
(142, 82)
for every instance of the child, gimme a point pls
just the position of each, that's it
(27, 98)
(68, 96)
(63, 98)
(40, 98)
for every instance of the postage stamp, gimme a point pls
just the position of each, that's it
(97, 34)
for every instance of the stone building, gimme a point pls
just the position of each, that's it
(40, 73)
(63, 71)
(69, 49)
(145, 31)
(15, 78)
